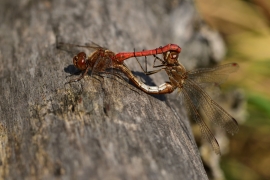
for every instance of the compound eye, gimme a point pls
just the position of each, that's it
(174, 55)
(79, 61)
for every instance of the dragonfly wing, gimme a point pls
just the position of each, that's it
(216, 75)
(94, 45)
(205, 131)
(211, 109)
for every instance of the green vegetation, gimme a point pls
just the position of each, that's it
(245, 26)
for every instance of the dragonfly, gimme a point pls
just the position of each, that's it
(167, 48)
(190, 85)
(102, 59)
(98, 61)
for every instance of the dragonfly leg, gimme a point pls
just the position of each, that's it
(161, 60)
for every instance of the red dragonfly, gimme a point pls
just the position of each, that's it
(126, 55)
(102, 59)
(188, 83)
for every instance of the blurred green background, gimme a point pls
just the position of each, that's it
(245, 26)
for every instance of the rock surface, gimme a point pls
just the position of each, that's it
(100, 127)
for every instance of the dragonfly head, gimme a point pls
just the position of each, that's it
(79, 61)
(171, 58)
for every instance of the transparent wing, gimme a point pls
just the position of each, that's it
(92, 45)
(211, 109)
(216, 75)
(205, 131)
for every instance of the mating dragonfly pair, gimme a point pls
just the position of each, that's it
(188, 83)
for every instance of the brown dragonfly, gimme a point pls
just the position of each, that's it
(189, 83)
